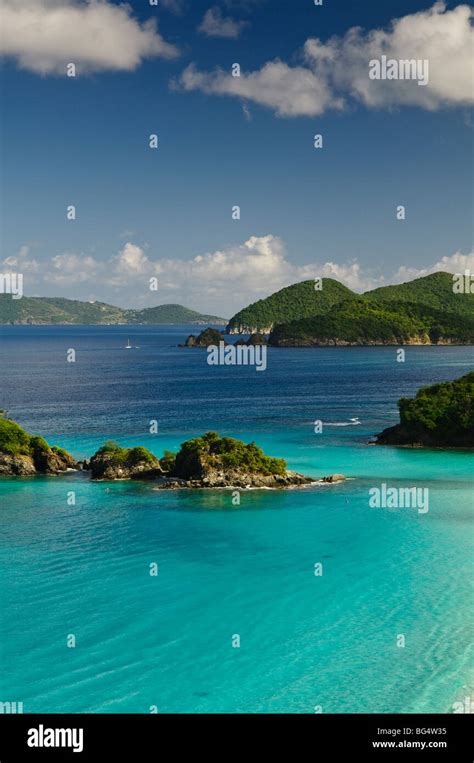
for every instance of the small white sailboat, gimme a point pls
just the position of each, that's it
(128, 345)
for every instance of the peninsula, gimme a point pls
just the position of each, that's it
(323, 313)
(441, 415)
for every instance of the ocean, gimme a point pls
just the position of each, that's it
(236, 620)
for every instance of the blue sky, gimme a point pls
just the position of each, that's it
(167, 212)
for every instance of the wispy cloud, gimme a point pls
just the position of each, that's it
(215, 24)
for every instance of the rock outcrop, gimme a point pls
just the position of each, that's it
(23, 454)
(111, 462)
(205, 338)
(236, 478)
(223, 462)
(254, 339)
(209, 461)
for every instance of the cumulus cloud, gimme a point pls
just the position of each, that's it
(456, 263)
(43, 36)
(335, 73)
(214, 24)
(222, 281)
(291, 91)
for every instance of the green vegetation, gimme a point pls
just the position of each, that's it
(57, 311)
(14, 441)
(442, 414)
(167, 462)
(425, 310)
(52, 310)
(364, 321)
(173, 314)
(434, 291)
(293, 302)
(207, 337)
(127, 457)
(213, 452)
(445, 411)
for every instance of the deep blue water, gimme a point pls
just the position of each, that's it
(228, 571)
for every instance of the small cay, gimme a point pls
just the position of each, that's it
(23, 454)
(209, 461)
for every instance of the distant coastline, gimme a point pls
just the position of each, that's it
(56, 311)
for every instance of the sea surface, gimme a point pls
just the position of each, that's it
(231, 574)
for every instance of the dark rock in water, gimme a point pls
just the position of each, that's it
(398, 435)
(237, 479)
(207, 337)
(253, 340)
(54, 461)
(257, 339)
(334, 478)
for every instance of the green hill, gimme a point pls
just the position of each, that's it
(423, 311)
(439, 415)
(293, 302)
(435, 291)
(174, 314)
(55, 310)
(362, 321)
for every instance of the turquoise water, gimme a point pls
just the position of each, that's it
(305, 640)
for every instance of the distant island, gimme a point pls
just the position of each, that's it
(420, 312)
(209, 461)
(58, 311)
(441, 415)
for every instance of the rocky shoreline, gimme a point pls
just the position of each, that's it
(209, 461)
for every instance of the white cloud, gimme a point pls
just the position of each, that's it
(69, 269)
(45, 35)
(214, 24)
(456, 263)
(220, 282)
(336, 73)
(290, 91)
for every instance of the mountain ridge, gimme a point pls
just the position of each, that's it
(62, 311)
(426, 310)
